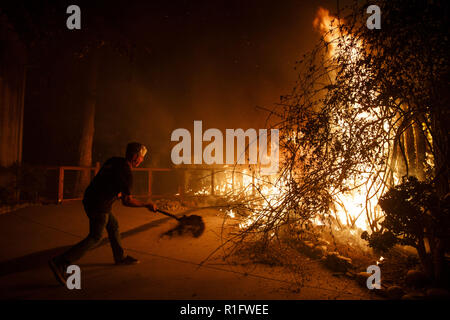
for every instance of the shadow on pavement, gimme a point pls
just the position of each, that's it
(40, 259)
(136, 230)
(31, 261)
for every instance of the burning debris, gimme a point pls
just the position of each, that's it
(192, 224)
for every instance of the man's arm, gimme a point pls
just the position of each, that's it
(129, 201)
(125, 180)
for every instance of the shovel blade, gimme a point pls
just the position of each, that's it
(193, 225)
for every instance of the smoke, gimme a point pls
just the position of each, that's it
(210, 68)
(209, 61)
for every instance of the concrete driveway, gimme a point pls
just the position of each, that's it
(168, 270)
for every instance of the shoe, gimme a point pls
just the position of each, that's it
(59, 271)
(127, 260)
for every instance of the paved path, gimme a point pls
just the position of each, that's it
(168, 270)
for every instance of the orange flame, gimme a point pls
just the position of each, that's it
(328, 26)
(323, 20)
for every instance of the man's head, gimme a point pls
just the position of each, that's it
(135, 153)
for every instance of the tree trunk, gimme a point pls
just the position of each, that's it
(410, 151)
(440, 145)
(425, 258)
(441, 153)
(420, 143)
(88, 128)
(400, 156)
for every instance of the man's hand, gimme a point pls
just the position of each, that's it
(129, 201)
(152, 207)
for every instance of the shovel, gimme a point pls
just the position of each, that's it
(186, 224)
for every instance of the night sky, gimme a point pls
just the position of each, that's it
(192, 60)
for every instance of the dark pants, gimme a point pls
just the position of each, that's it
(97, 223)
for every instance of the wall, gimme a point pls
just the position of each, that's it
(12, 85)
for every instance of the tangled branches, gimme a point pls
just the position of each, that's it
(363, 114)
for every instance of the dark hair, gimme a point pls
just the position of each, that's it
(132, 149)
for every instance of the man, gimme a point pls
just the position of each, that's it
(114, 180)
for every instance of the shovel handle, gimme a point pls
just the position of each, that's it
(168, 214)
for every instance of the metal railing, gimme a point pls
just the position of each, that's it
(62, 169)
(181, 187)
